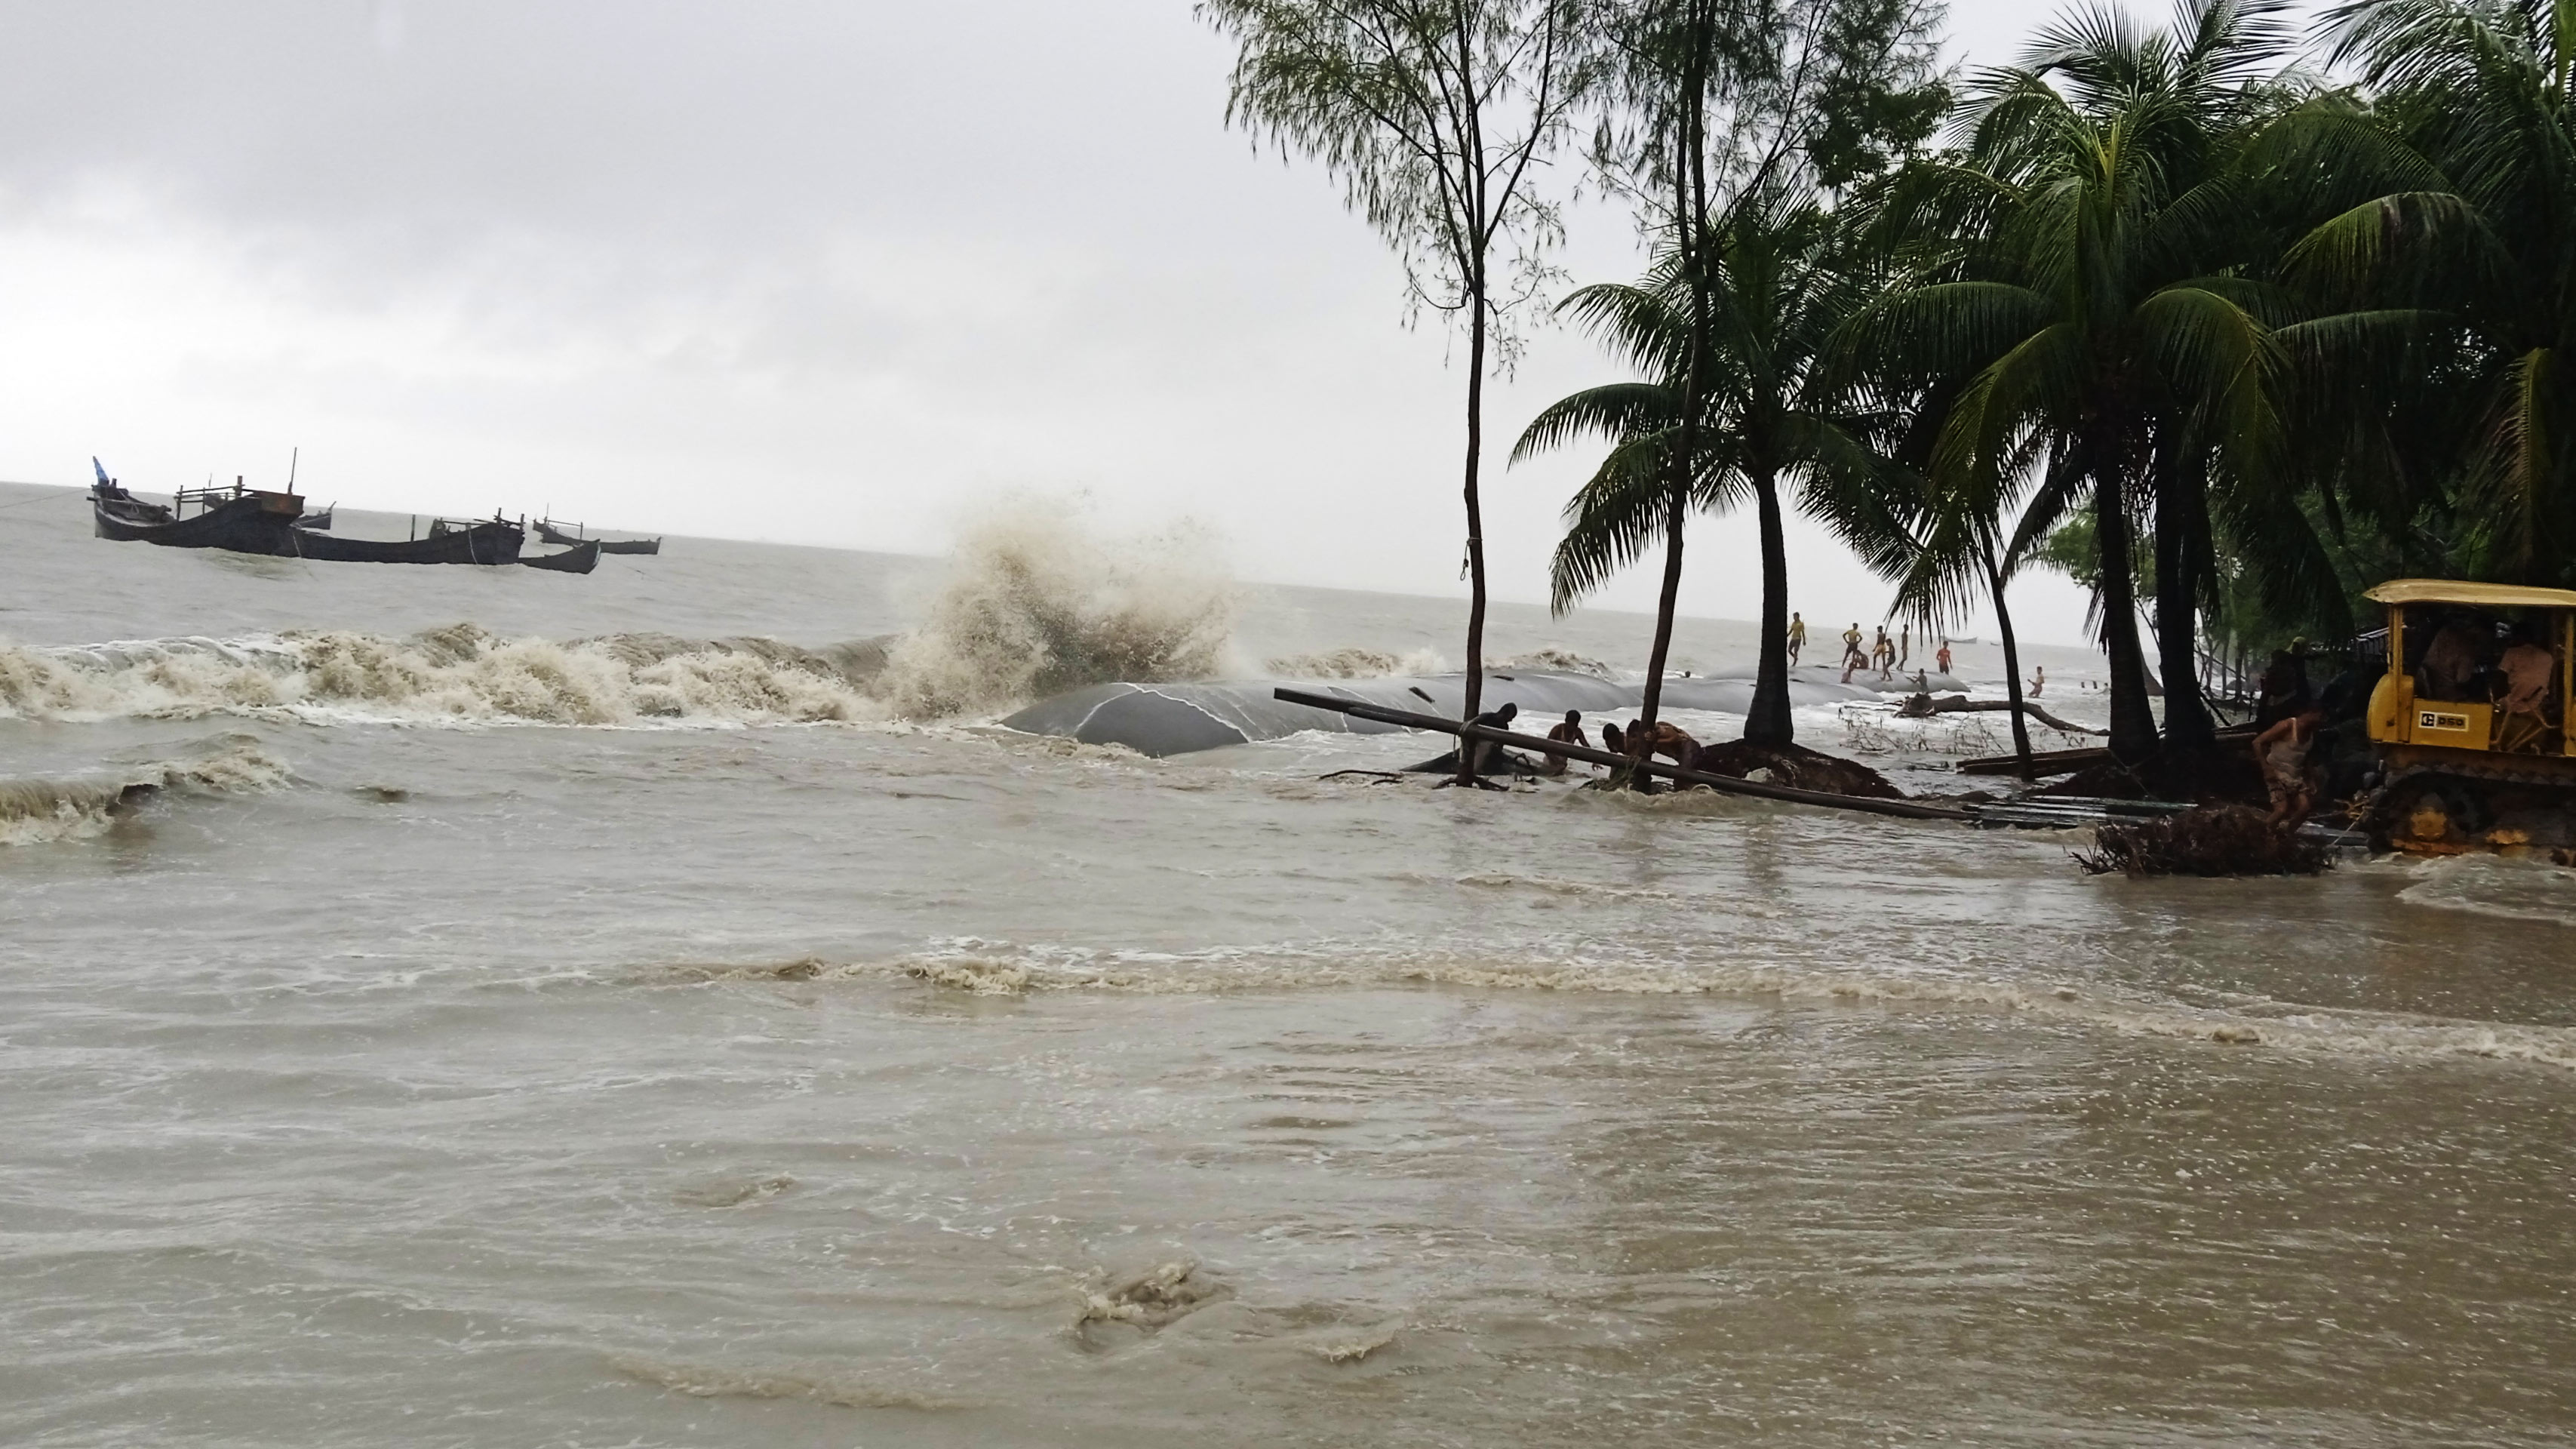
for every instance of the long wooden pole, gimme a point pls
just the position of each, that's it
(1727, 784)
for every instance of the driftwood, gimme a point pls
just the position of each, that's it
(1924, 706)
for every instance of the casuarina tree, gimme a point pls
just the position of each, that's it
(1438, 118)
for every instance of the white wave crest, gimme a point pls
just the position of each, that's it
(1556, 657)
(1036, 603)
(35, 811)
(458, 674)
(1357, 663)
(2490, 885)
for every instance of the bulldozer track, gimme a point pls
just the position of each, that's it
(2485, 773)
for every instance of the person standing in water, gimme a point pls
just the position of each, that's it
(2282, 751)
(2038, 680)
(1904, 644)
(1941, 661)
(1568, 733)
(1797, 637)
(1488, 754)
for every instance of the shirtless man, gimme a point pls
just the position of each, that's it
(1853, 658)
(1904, 644)
(1941, 661)
(2282, 751)
(1883, 654)
(1665, 739)
(2529, 670)
(1568, 733)
(2038, 682)
(1797, 637)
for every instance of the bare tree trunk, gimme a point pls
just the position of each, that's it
(1768, 723)
(2133, 720)
(2012, 666)
(1468, 751)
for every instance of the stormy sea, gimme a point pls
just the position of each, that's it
(676, 1006)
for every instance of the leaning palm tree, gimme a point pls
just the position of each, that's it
(2472, 255)
(2104, 348)
(1769, 428)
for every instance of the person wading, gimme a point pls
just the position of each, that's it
(1568, 733)
(2283, 752)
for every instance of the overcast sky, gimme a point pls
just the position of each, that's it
(822, 271)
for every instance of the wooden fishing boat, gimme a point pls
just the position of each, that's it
(551, 532)
(494, 540)
(579, 559)
(243, 520)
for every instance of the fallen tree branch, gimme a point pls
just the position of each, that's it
(1924, 706)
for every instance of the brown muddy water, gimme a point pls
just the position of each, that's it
(510, 1043)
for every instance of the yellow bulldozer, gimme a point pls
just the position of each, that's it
(2475, 744)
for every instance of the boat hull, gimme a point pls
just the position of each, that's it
(253, 523)
(488, 542)
(552, 534)
(579, 560)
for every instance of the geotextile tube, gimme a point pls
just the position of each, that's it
(1172, 719)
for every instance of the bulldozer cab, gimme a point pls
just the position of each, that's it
(2483, 668)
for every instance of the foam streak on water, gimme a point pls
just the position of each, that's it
(819, 1079)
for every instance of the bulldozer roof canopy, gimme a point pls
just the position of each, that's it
(2485, 596)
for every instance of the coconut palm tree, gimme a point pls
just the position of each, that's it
(2470, 257)
(1781, 280)
(2107, 347)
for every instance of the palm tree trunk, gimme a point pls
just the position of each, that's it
(1468, 750)
(1768, 722)
(2133, 720)
(1690, 241)
(2181, 526)
(2012, 666)
(1666, 605)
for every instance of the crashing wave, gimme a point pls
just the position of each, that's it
(459, 673)
(1558, 659)
(35, 811)
(1356, 663)
(1036, 604)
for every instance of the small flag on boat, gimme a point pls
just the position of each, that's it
(101, 467)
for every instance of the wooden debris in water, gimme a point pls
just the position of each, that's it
(2219, 840)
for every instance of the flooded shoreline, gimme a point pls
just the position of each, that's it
(663, 1082)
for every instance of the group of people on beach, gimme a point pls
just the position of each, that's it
(1884, 654)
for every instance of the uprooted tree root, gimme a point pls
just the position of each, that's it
(2217, 840)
